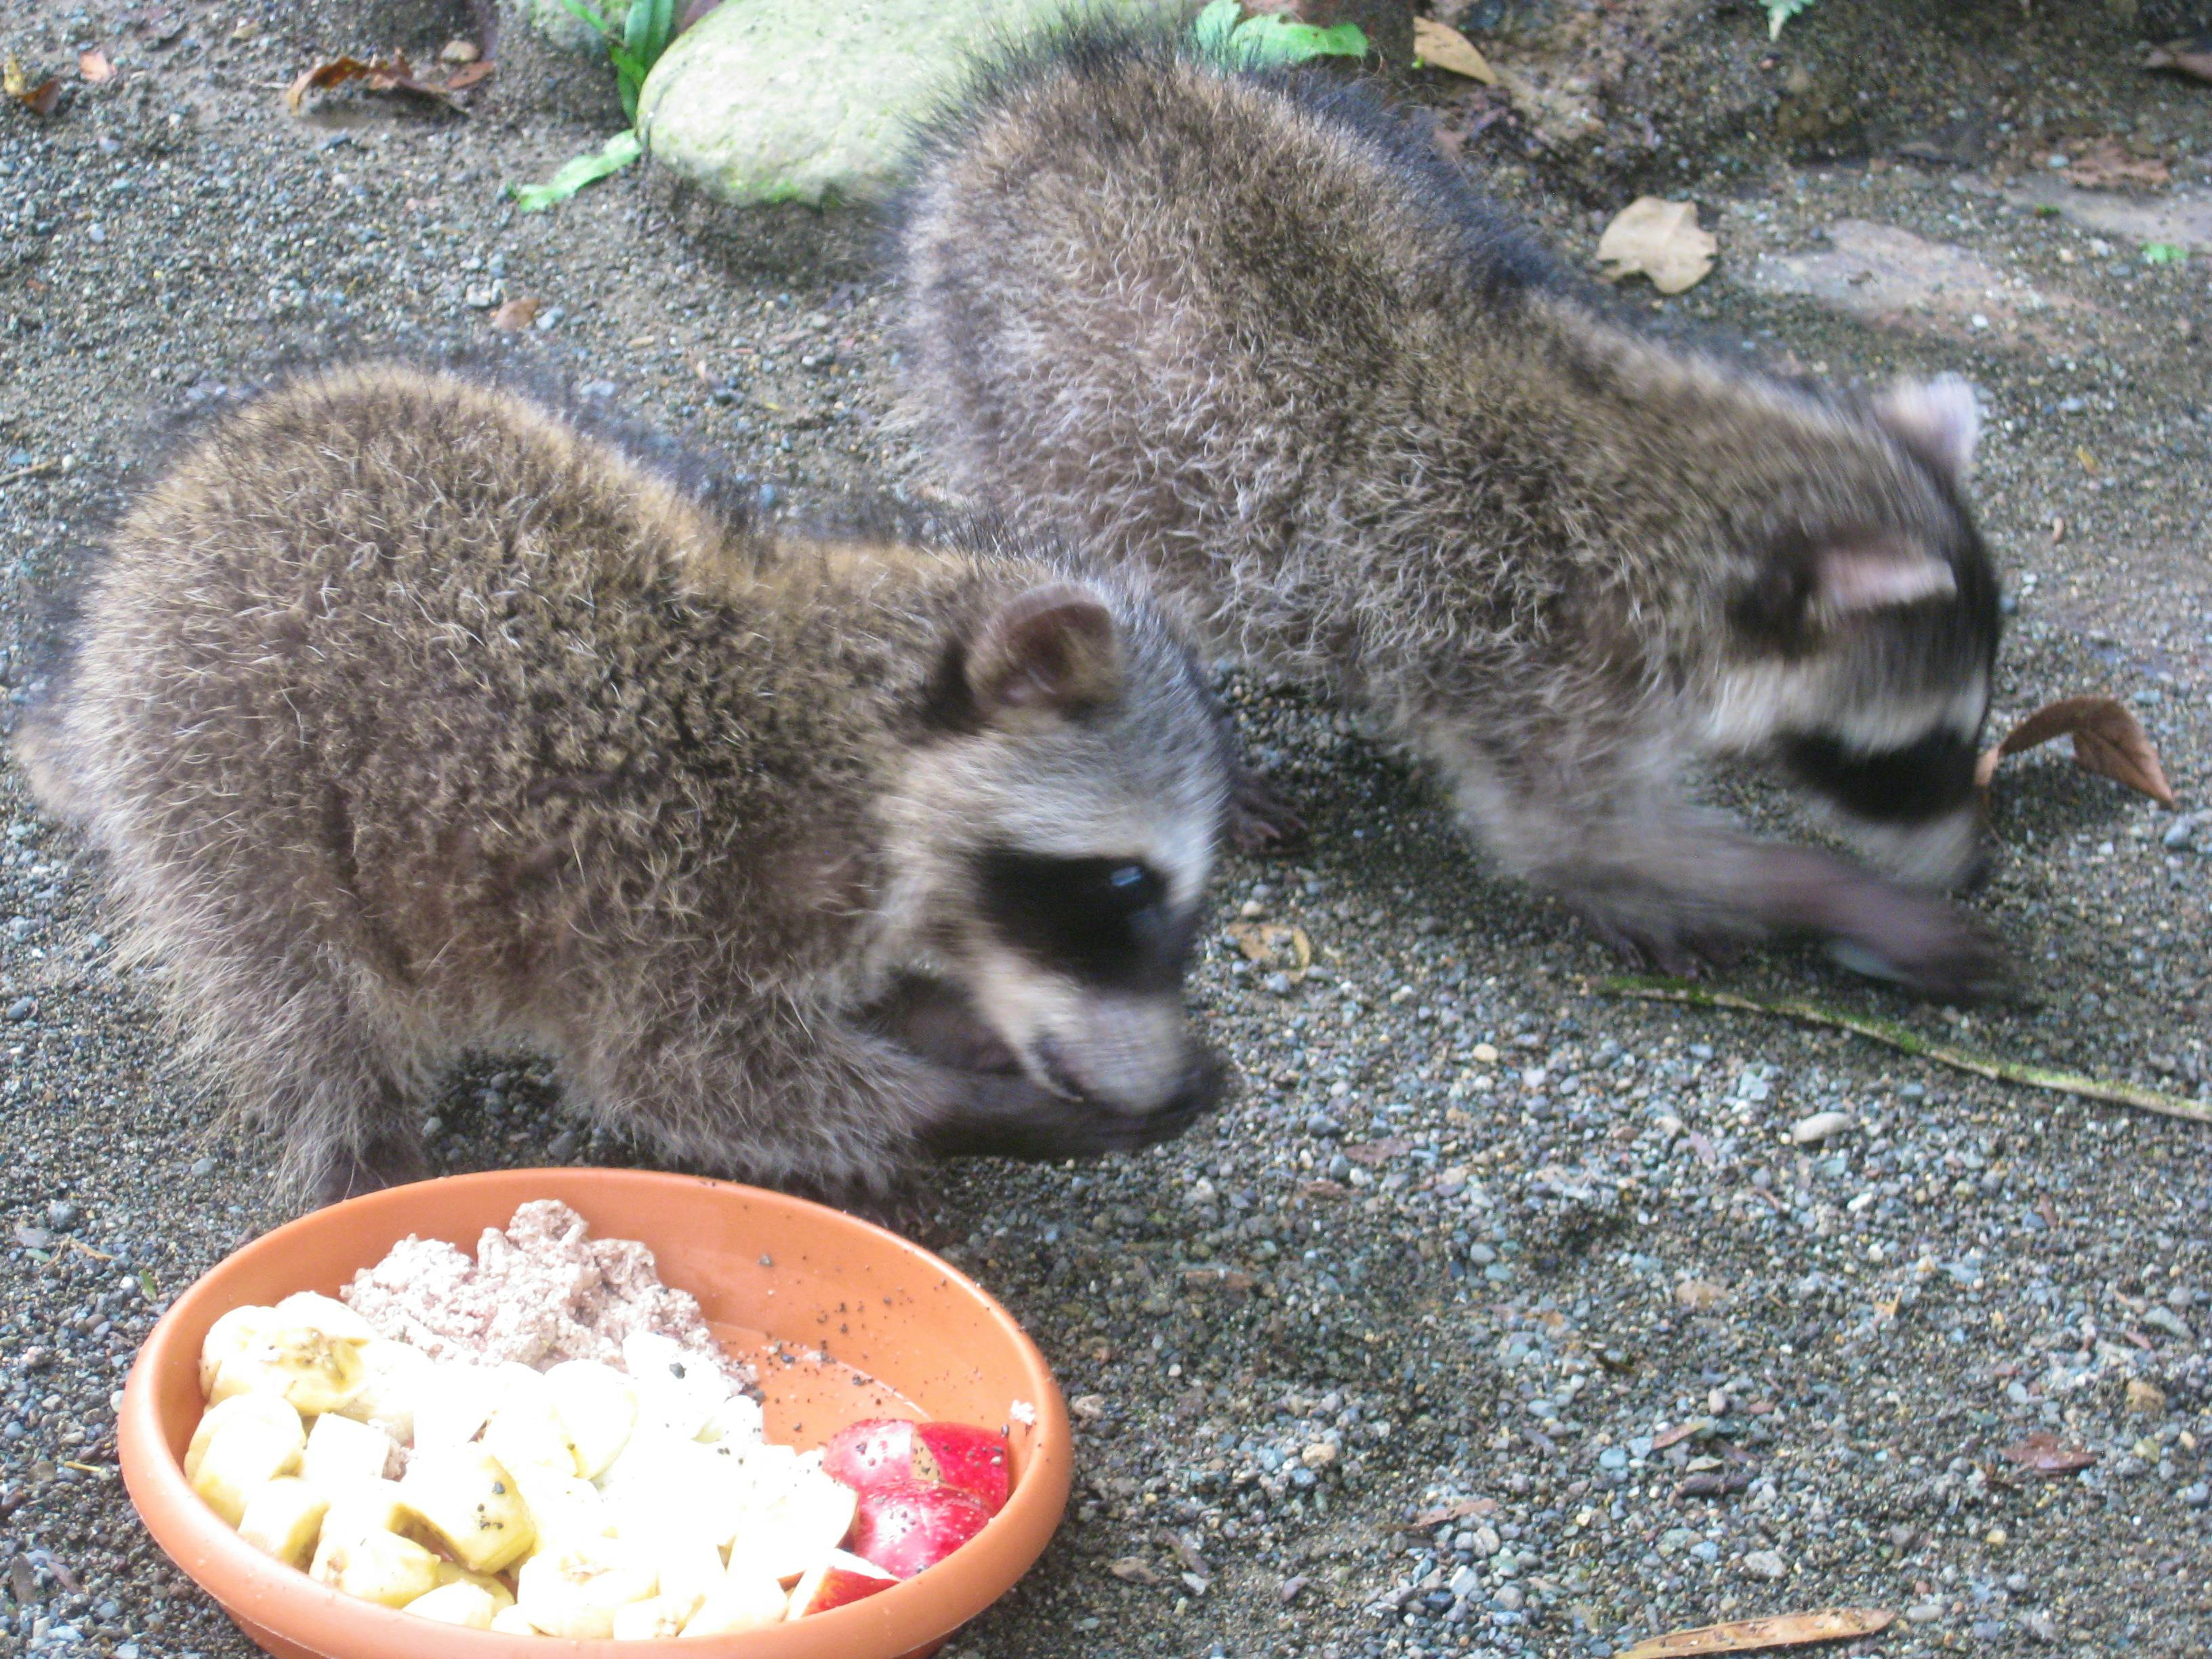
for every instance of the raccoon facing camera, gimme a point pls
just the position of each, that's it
(412, 721)
(1251, 332)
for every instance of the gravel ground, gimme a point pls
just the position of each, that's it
(1495, 1316)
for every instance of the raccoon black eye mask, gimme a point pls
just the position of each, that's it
(1250, 333)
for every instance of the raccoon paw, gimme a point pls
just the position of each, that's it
(1925, 946)
(1259, 819)
(992, 1115)
(1670, 947)
(386, 1161)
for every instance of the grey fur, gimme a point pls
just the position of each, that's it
(412, 721)
(1251, 332)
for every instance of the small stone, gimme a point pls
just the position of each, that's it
(1486, 1541)
(62, 1214)
(458, 51)
(1996, 1538)
(1511, 1597)
(1698, 1295)
(2179, 832)
(2166, 1320)
(1924, 1613)
(1811, 1131)
(2196, 1495)
(1485, 1054)
(2039, 1625)
(564, 1146)
(1318, 1455)
(204, 1166)
(1277, 984)
(482, 296)
(22, 1008)
(1765, 1564)
(2146, 1398)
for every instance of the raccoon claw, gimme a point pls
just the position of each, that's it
(992, 1115)
(386, 1161)
(1259, 819)
(1928, 947)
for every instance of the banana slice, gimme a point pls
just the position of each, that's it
(510, 1620)
(241, 1457)
(688, 1564)
(464, 1605)
(370, 1507)
(598, 1409)
(394, 1378)
(736, 1422)
(464, 1498)
(524, 1430)
(789, 1526)
(454, 1407)
(264, 1408)
(230, 1334)
(676, 1390)
(742, 1601)
(451, 1572)
(326, 1313)
(314, 1372)
(341, 1454)
(573, 1590)
(656, 1616)
(563, 1507)
(376, 1566)
(283, 1518)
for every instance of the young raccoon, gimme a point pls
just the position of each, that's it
(414, 720)
(1251, 332)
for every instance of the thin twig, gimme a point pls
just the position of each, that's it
(79, 1244)
(1896, 1036)
(36, 470)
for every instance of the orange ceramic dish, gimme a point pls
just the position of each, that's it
(782, 1281)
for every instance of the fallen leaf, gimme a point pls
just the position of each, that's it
(2108, 740)
(1699, 1294)
(617, 153)
(2164, 253)
(1428, 1519)
(2108, 164)
(1273, 944)
(39, 99)
(1374, 1152)
(2041, 1454)
(1132, 1569)
(94, 67)
(462, 79)
(2188, 57)
(1442, 46)
(394, 74)
(33, 1238)
(1756, 1635)
(1679, 1432)
(515, 314)
(1660, 239)
(2089, 461)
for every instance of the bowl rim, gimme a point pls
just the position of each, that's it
(251, 1587)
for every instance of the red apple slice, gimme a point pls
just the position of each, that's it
(833, 1581)
(904, 1526)
(882, 1449)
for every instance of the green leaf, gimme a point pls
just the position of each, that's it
(586, 14)
(617, 153)
(1270, 42)
(2163, 253)
(1210, 33)
(1779, 12)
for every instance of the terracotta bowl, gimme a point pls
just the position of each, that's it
(765, 1268)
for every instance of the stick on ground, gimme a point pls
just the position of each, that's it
(1911, 1042)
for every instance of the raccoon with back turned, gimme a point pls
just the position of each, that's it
(1250, 330)
(414, 720)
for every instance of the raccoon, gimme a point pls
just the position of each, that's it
(1251, 332)
(411, 719)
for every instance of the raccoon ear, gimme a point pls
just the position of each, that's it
(1938, 420)
(1052, 650)
(1852, 578)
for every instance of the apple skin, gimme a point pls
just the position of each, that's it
(904, 1526)
(958, 1454)
(839, 1578)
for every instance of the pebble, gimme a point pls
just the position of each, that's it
(2179, 832)
(202, 1166)
(1811, 1131)
(22, 1008)
(62, 1214)
(1765, 1564)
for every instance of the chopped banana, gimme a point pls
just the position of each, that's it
(524, 1430)
(598, 1409)
(240, 1457)
(452, 1572)
(229, 1335)
(573, 1590)
(326, 1313)
(657, 1616)
(564, 1506)
(394, 1378)
(676, 1390)
(377, 1566)
(316, 1373)
(461, 1604)
(687, 1562)
(464, 1498)
(788, 1527)
(742, 1601)
(266, 1408)
(282, 1518)
(342, 1454)
(511, 1620)
(736, 1422)
(450, 1413)
(371, 1506)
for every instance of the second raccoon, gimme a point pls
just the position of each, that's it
(1251, 331)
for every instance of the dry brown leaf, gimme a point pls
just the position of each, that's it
(2041, 1454)
(515, 314)
(2108, 740)
(394, 74)
(1132, 1569)
(1758, 1635)
(1273, 944)
(39, 99)
(1375, 1154)
(1429, 1519)
(462, 79)
(2189, 57)
(1442, 46)
(1660, 239)
(2109, 165)
(94, 67)
(1680, 1431)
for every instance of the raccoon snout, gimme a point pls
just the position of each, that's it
(1140, 1065)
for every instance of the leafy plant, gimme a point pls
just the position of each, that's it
(1779, 12)
(1267, 41)
(633, 49)
(2163, 253)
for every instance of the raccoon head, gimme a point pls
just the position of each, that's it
(1866, 643)
(1056, 834)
